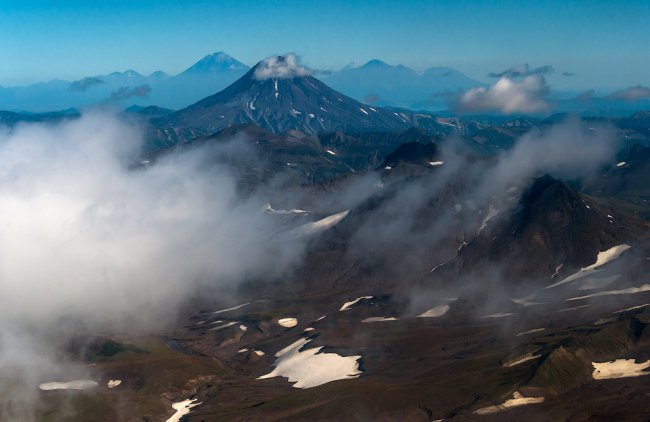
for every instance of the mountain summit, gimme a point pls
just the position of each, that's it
(279, 94)
(216, 62)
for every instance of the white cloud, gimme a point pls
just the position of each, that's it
(280, 67)
(634, 93)
(507, 96)
(89, 242)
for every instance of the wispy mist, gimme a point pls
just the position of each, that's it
(92, 238)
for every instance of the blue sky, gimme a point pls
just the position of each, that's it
(603, 43)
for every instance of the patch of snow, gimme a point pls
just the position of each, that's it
(522, 360)
(269, 210)
(379, 319)
(619, 368)
(244, 350)
(436, 267)
(232, 309)
(557, 271)
(621, 164)
(498, 315)
(113, 383)
(492, 212)
(632, 308)
(572, 309)
(226, 325)
(628, 291)
(516, 401)
(436, 163)
(388, 168)
(330, 152)
(324, 110)
(243, 328)
(603, 258)
(435, 312)
(288, 322)
(182, 408)
(363, 111)
(308, 329)
(69, 385)
(348, 305)
(526, 301)
(311, 115)
(259, 353)
(309, 368)
(317, 226)
(534, 330)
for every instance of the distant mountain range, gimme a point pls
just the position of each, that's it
(375, 83)
(379, 83)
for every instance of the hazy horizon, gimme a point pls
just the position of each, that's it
(590, 46)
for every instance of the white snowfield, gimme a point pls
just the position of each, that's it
(317, 226)
(534, 330)
(182, 408)
(69, 385)
(435, 312)
(575, 308)
(268, 209)
(492, 212)
(621, 164)
(603, 258)
(619, 368)
(628, 291)
(631, 308)
(348, 305)
(522, 360)
(363, 111)
(330, 152)
(232, 309)
(516, 401)
(436, 163)
(526, 301)
(113, 383)
(226, 325)
(308, 368)
(379, 319)
(288, 322)
(499, 315)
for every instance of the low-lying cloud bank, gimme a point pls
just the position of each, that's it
(92, 239)
(631, 94)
